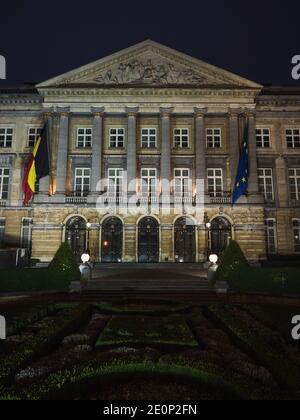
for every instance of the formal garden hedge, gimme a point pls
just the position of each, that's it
(57, 277)
(241, 277)
(68, 320)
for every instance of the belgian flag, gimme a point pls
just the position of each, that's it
(38, 166)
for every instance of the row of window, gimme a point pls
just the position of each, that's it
(181, 137)
(182, 181)
(272, 244)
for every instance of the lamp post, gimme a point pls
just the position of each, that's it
(208, 226)
(88, 226)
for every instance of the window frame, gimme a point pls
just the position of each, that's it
(292, 135)
(148, 138)
(5, 134)
(81, 192)
(215, 177)
(118, 186)
(85, 135)
(297, 184)
(150, 192)
(185, 190)
(270, 229)
(265, 177)
(117, 135)
(2, 176)
(213, 135)
(262, 136)
(29, 228)
(38, 131)
(178, 138)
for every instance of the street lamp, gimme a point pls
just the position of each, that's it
(88, 226)
(208, 227)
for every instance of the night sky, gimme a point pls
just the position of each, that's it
(255, 39)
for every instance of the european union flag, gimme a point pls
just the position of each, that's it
(241, 183)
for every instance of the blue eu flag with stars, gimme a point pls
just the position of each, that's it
(241, 183)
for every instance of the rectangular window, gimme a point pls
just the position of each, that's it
(271, 236)
(115, 182)
(293, 138)
(182, 182)
(265, 181)
(33, 135)
(6, 137)
(181, 138)
(149, 181)
(2, 231)
(294, 177)
(263, 138)
(26, 233)
(116, 137)
(82, 182)
(214, 138)
(84, 137)
(296, 234)
(215, 182)
(4, 183)
(149, 138)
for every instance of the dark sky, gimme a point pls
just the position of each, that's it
(255, 39)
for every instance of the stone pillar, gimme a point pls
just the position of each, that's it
(165, 171)
(234, 143)
(96, 175)
(62, 152)
(253, 175)
(131, 150)
(200, 144)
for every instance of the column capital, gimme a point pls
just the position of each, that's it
(63, 111)
(97, 111)
(250, 113)
(166, 111)
(48, 112)
(235, 112)
(132, 111)
(200, 112)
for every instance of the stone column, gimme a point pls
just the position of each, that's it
(96, 175)
(62, 152)
(165, 171)
(200, 144)
(131, 150)
(253, 175)
(234, 143)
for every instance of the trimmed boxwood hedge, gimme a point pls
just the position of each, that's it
(64, 384)
(57, 277)
(42, 342)
(241, 277)
(283, 370)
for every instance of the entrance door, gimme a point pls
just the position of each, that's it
(221, 232)
(184, 240)
(112, 240)
(148, 240)
(76, 236)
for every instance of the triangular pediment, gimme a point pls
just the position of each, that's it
(149, 64)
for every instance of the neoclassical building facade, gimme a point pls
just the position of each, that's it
(145, 146)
